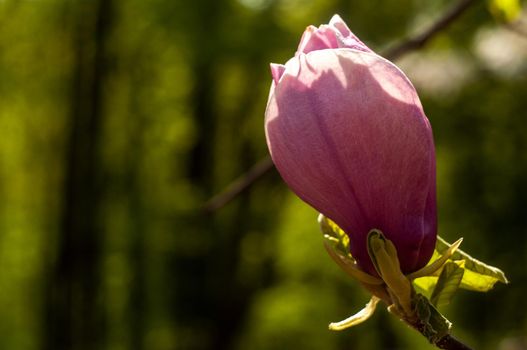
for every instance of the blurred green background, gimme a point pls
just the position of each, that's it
(119, 119)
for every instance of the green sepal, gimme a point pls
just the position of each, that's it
(334, 235)
(336, 243)
(447, 283)
(358, 318)
(433, 325)
(376, 241)
(383, 255)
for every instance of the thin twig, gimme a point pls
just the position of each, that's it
(421, 39)
(239, 185)
(261, 168)
(447, 342)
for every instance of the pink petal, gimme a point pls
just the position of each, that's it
(318, 39)
(276, 71)
(340, 25)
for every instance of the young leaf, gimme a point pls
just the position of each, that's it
(478, 282)
(478, 276)
(425, 285)
(447, 283)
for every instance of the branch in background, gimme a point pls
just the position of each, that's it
(420, 40)
(518, 28)
(244, 181)
(239, 185)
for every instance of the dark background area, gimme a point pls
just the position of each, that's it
(120, 119)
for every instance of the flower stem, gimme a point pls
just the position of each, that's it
(448, 342)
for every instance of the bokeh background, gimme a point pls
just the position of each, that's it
(120, 119)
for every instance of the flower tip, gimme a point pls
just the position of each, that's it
(310, 29)
(335, 19)
(306, 37)
(338, 23)
(277, 70)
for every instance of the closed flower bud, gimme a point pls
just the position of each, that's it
(347, 132)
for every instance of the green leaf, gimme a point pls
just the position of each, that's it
(425, 285)
(477, 282)
(505, 10)
(447, 283)
(478, 276)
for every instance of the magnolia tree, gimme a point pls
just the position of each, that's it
(348, 134)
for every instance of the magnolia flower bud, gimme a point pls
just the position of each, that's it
(347, 132)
